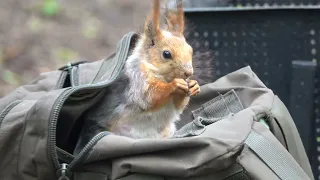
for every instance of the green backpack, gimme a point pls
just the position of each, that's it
(237, 129)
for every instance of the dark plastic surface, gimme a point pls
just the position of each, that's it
(243, 3)
(272, 2)
(269, 41)
(301, 94)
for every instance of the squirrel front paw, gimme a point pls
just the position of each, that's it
(180, 86)
(194, 88)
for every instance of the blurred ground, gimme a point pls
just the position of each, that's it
(35, 38)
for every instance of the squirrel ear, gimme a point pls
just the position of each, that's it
(152, 24)
(175, 19)
(171, 20)
(180, 15)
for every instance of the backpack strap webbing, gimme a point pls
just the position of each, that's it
(274, 158)
(242, 175)
(116, 61)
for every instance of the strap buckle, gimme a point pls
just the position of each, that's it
(70, 65)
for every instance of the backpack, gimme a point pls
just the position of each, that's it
(237, 129)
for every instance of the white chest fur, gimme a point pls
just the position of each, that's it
(150, 124)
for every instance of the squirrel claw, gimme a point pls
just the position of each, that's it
(194, 88)
(188, 94)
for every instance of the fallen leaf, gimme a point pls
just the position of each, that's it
(50, 7)
(10, 77)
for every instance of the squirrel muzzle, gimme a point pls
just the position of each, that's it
(187, 70)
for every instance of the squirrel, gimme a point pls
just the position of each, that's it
(154, 87)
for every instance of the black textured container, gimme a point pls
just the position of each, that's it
(281, 44)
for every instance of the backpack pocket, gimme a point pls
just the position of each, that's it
(12, 129)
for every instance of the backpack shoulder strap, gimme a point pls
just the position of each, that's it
(81, 73)
(111, 66)
(277, 159)
(287, 129)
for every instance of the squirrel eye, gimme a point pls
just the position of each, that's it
(166, 55)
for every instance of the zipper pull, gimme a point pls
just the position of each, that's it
(62, 172)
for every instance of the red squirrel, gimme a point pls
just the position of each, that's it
(158, 70)
(153, 88)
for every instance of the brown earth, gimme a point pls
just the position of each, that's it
(31, 43)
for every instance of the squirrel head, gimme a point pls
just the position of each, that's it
(165, 50)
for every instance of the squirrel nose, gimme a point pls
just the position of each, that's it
(188, 73)
(187, 68)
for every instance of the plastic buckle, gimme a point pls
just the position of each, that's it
(70, 65)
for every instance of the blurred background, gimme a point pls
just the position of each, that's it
(43, 35)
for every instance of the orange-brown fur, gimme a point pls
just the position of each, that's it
(161, 94)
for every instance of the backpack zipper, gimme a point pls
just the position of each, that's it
(64, 155)
(8, 109)
(83, 153)
(59, 103)
(63, 172)
(54, 118)
(53, 124)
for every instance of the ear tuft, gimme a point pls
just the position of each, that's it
(175, 18)
(180, 15)
(152, 24)
(150, 32)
